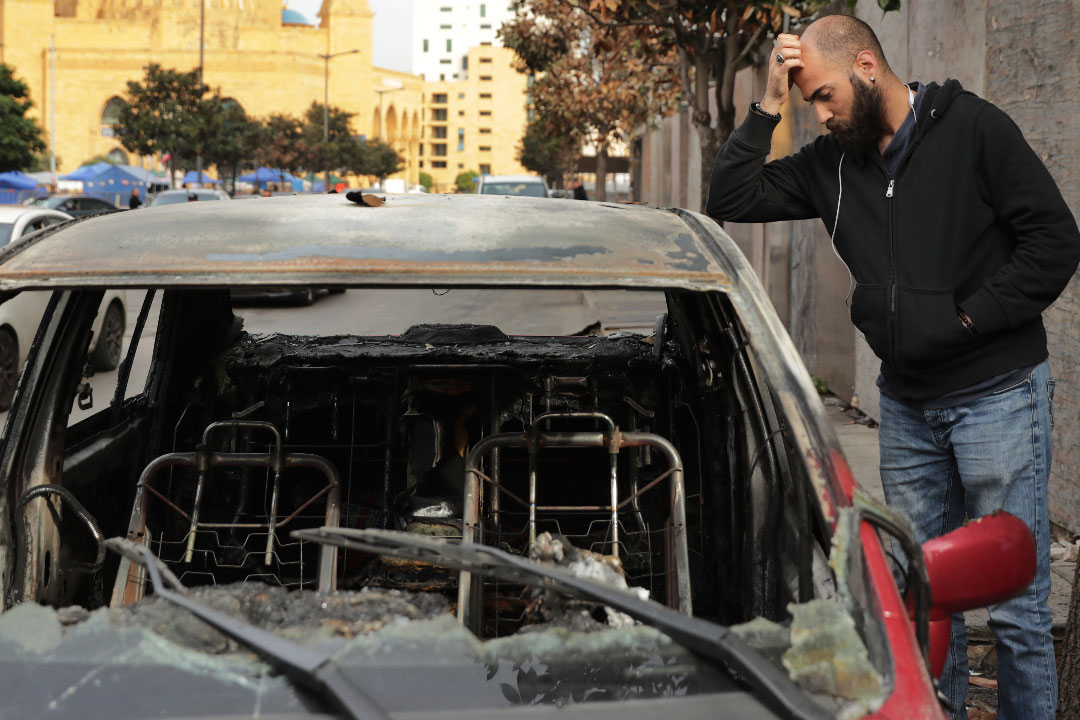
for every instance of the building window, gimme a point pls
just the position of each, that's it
(485, 96)
(485, 113)
(461, 113)
(461, 96)
(460, 166)
(483, 10)
(117, 157)
(465, 63)
(485, 60)
(111, 114)
(421, 148)
(442, 76)
(438, 163)
(461, 139)
(425, 44)
(485, 131)
(488, 43)
(485, 78)
(485, 169)
(438, 132)
(438, 149)
(438, 114)
(445, 9)
(485, 148)
(439, 98)
(445, 27)
(485, 26)
(445, 61)
(421, 162)
(449, 45)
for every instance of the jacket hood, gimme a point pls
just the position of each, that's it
(937, 102)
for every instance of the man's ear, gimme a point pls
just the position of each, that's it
(866, 64)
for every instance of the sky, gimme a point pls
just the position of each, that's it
(392, 30)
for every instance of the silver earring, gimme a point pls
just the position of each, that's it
(873, 79)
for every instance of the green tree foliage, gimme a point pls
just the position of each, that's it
(464, 181)
(340, 149)
(281, 143)
(165, 113)
(20, 136)
(233, 138)
(379, 159)
(544, 153)
(427, 181)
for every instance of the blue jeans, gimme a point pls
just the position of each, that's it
(942, 466)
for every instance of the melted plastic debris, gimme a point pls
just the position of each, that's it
(827, 655)
(556, 610)
(304, 617)
(770, 639)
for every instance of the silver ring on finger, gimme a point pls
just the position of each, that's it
(779, 59)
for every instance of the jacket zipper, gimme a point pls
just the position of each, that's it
(893, 262)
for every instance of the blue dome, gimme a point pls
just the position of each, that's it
(293, 17)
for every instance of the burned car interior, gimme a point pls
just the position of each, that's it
(659, 455)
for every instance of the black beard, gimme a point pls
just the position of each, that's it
(860, 135)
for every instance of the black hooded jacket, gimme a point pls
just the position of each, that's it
(972, 219)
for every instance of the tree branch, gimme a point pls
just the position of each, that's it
(750, 44)
(615, 23)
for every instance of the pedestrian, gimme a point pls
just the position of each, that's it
(957, 239)
(579, 190)
(134, 202)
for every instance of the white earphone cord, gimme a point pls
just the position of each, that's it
(836, 221)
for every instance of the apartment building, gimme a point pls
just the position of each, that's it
(477, 123)
(445, 30)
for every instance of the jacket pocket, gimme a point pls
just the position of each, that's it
(928, 329)
(868, 313)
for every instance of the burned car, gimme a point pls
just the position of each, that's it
(496, 518)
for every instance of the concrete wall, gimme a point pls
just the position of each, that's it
(1022, 57)
(1032, 73)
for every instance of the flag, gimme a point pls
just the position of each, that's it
(165, 157)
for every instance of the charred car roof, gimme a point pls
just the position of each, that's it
(455, 240)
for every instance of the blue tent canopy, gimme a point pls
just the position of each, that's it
(117, 182)
(265, 175)
(87, 171)
(16, 181)
(193, 177)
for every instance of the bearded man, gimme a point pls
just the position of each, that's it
(957, 239)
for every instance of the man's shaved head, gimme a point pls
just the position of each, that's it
(838, 39)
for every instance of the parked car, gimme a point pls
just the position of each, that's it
(526, 185)
(18, 220)
(174, 197)
(21, 315)
(76, 205)
(453, 521)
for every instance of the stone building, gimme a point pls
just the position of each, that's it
(266, 58)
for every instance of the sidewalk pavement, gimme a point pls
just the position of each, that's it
(860, 444)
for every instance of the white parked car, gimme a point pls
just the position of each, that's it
(20, 316)
(525, 185)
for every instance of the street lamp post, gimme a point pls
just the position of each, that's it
(326, 99)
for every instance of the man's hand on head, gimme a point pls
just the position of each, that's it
(788, 48)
